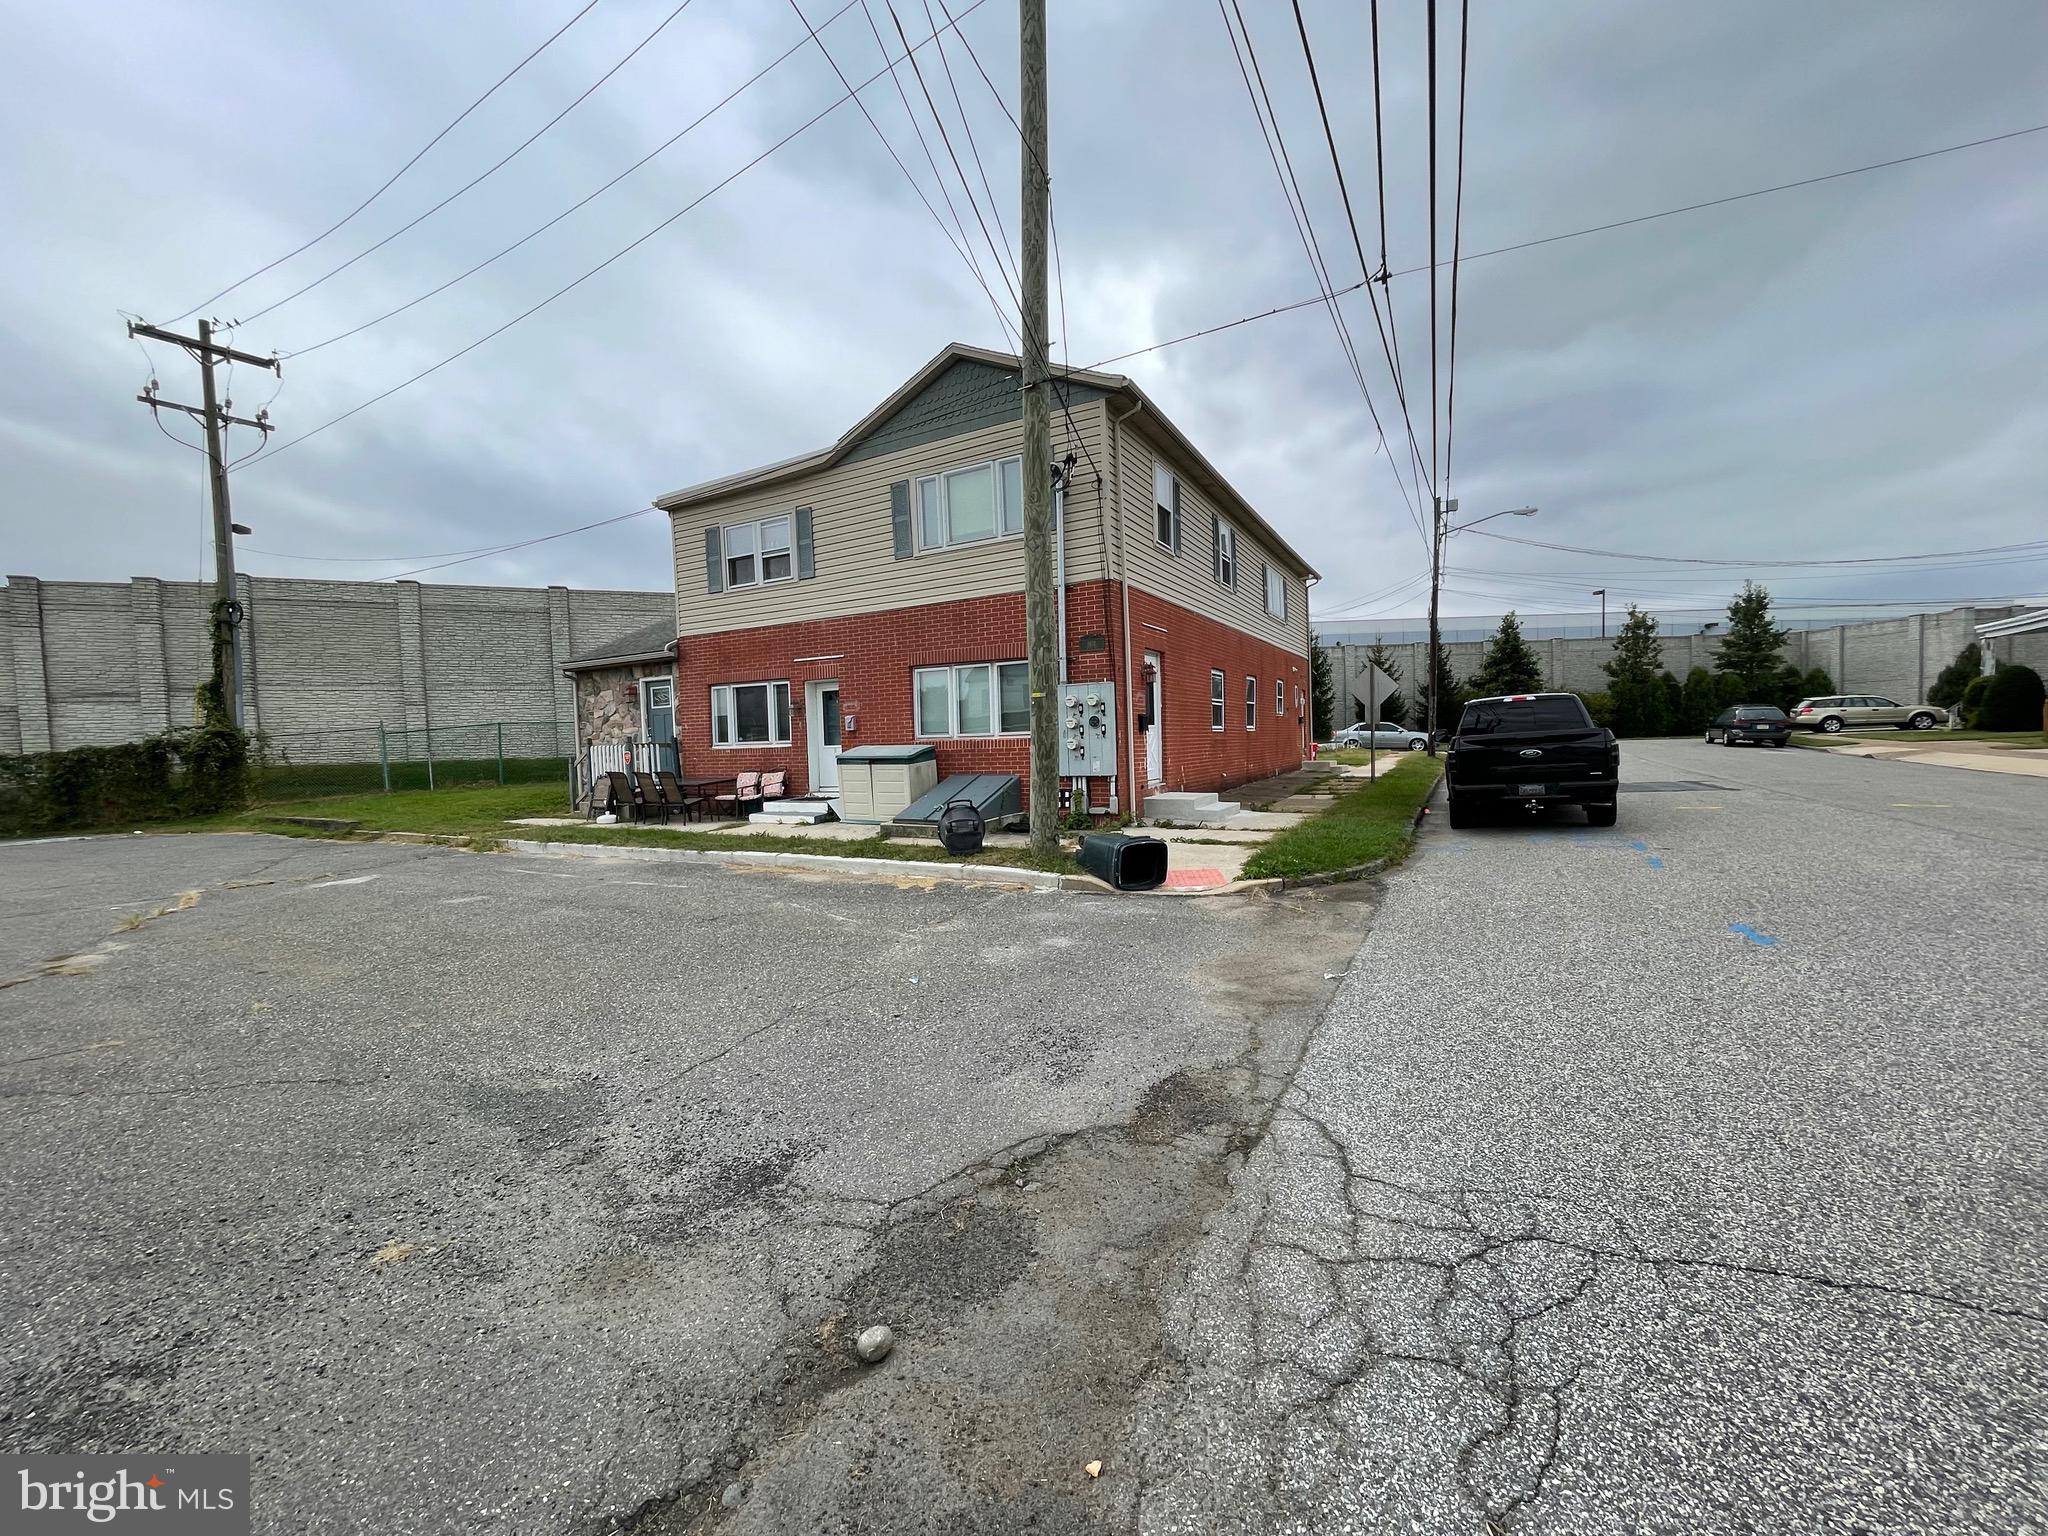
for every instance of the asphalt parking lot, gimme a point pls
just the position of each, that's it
(474, 1192)
(1682, 1177)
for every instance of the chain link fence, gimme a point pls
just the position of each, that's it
(380, 759)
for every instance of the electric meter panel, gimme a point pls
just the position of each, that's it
(1087, 729)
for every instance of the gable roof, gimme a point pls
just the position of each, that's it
(1097, 385)
(649, 642)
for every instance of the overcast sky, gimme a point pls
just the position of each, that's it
(1855, 369)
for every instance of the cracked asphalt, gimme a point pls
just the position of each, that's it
(488, 1193)
(1682, 1177)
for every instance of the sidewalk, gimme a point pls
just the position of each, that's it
(1987, 757)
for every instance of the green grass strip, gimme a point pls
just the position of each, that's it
(1374, 821)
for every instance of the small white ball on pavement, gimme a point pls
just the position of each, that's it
(874, 1343)
(732, 1496)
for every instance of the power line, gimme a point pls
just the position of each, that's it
(965, 250)
(1435, 474)
(392, 180)
(661, 148)
(1358, 244)
(589, 91)
(946, 139)
(505, 549)
(1574, 234)
(1611, 554)
(1074, 437)
(966, 241)
(1457, 240)
(575, 283)
(1379, 152)
(1311, 248)
(967, 127)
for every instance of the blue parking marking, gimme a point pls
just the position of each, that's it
(1751, 934)
(1654, 862)
(1640, 847)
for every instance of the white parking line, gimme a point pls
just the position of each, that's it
(328, 885)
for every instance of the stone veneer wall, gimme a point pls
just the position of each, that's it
(608, 702)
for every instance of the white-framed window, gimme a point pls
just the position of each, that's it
(1165, 506)
(1279, 698)
(1251, 703)
(758, 552)
(750, 715)
(1276, 593)
(1226, 553)
(968, 506)
(1215, 701)
(984, 698)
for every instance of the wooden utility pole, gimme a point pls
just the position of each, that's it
(1041, 600)
(215, 418)
(1436, 558)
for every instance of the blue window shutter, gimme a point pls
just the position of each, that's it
(899, 519)
(806, 553)
(714, 561)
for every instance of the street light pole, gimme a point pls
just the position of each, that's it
(1601, 593)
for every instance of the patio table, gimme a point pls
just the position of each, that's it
(705, 787)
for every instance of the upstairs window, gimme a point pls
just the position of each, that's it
(1226, 553)
(968, 506)
(757, 552)
(1276, 593)
(1166, 506)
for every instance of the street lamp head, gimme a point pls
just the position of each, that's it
(1599, 591)
(1523, 511)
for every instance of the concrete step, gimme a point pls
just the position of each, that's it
(793, 813)
(1186, 805)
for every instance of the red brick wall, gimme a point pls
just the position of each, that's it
(873, 655)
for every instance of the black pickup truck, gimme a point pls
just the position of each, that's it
(1526, 751)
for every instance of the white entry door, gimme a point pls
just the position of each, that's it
(821, 708)
(1155, 729)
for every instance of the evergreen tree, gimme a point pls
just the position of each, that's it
(1641, 707)
(1956, 676)
(1510, 664)
(1748, 657)
(1698, 702)
(1394, 708)
(1323, 694)
(1450, 695)
(1638, 654)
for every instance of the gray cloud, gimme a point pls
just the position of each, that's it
(1849, 369)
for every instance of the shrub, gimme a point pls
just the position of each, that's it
(1971, 706)
(2011, 701)
(155, 779)
(1601, 707)
(1957, 676)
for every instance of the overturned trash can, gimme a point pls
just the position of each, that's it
(1126, 862)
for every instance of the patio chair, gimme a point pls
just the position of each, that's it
(746, 791)
(647, 791)
(774, 786)
(623, 796)
(676, 797)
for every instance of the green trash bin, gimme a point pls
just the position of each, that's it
(1126, 862)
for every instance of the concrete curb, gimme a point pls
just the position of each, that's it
(972, 874)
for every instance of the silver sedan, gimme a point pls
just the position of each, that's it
(1387, 737)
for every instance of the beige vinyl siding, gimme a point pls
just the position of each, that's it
(1189, 578)
(858, 571)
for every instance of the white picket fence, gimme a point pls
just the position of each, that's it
(602, 757)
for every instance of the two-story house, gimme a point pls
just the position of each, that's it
(872, 593)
